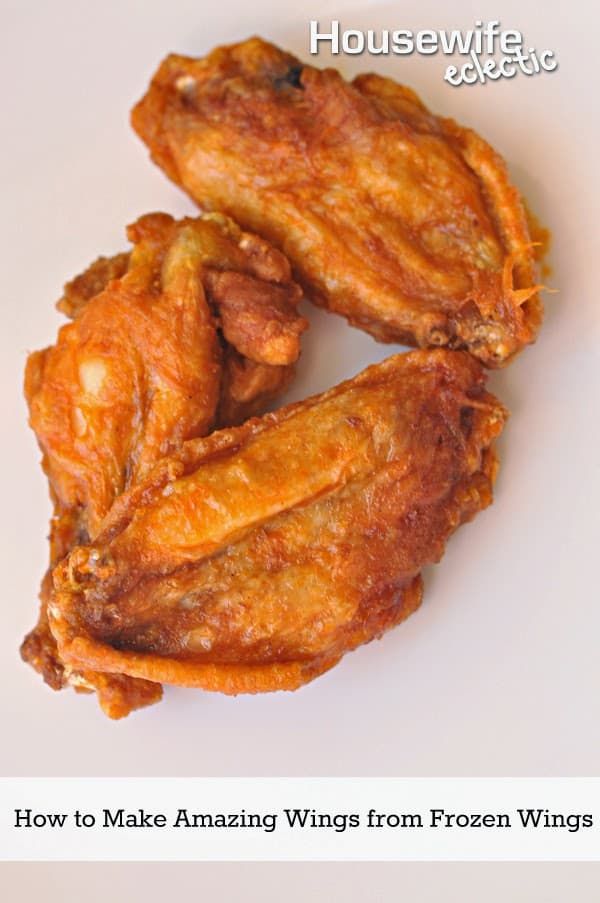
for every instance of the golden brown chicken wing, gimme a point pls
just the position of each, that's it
(405, 223)
(138, 372)
(252, 560)
(262, 320)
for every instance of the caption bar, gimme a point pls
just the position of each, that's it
(301, 819)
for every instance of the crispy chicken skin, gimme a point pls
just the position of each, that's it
(252, 560)
(403, 222)
(138, 371)
(133, 376)
(262, 322)
(247, 388)
(91, 282)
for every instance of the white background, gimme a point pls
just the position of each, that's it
(498, 673)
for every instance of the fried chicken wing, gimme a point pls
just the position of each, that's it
(403, 222)
(134, 375)
(138, 372)
(252, 560)
(255, 308)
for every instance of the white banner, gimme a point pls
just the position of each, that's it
(275, 819)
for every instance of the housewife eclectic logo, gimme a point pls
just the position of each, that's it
(488, 51)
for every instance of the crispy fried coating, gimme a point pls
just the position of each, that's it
(133, 376)
(248, 387)
(265, 328)
(405, 223)
(256, 310)
(138, 372)
(252, 560)
(90, 283)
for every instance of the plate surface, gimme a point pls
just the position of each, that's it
(498, 673)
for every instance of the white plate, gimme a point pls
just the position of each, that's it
(498, 673)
